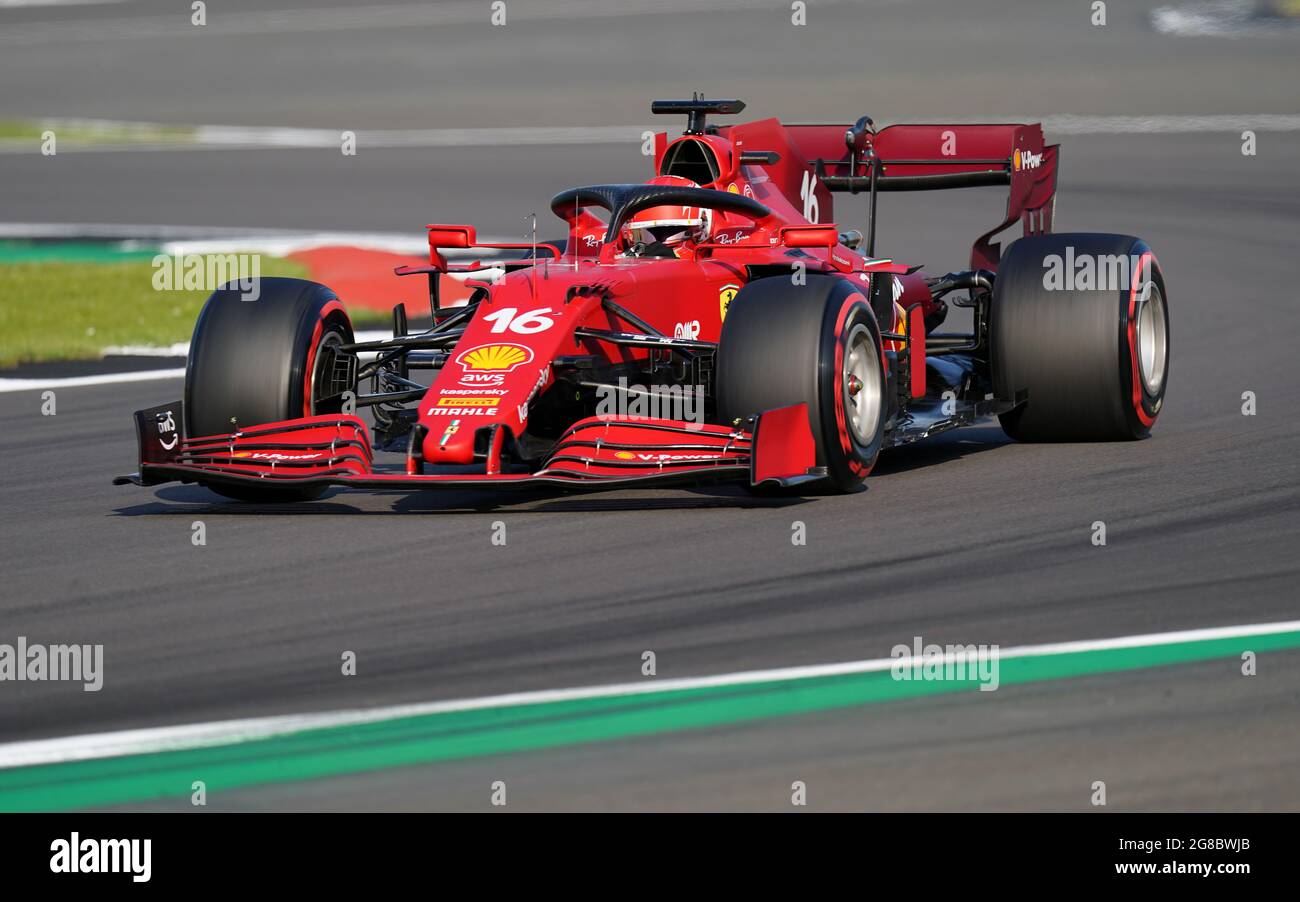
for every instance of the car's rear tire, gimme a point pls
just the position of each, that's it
(255, 361)
(816, 343)
(1090, 350)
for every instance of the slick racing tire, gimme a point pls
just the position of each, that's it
(1089, 349)
(256, 361)
(819, 344)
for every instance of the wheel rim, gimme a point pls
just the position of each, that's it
(860, 383)
(330, 339)
(1152, 340)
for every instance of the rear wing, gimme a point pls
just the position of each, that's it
(816, 161)
(903, 158)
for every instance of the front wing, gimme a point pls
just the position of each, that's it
(334, 450)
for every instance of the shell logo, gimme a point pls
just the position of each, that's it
(1026, 160)
(500, 358)
(900, 317)
(625, 455)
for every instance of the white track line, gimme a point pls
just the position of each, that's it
(11, 385)
(237, 136)
(173, 239)
(223, 137)
(1219, 18)
(161, 232)
(232, 137)
(227, 732)
(14, 4)
(180, 349)
(413, 243)
(1167, 125)
(358, 17)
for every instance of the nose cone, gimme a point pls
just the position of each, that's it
(450, 438)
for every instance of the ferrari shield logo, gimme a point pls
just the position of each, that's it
(725, 296)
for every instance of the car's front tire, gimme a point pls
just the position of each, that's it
(816, 343)
(254, 359)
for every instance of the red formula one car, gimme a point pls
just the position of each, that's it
(713, 323)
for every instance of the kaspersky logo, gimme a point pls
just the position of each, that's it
(488, 364)
(1025, 159)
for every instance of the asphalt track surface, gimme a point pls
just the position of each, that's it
(970, 538)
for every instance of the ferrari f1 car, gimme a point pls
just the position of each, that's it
(725, 277)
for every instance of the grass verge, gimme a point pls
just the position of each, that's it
(92, 131)
(72, 310)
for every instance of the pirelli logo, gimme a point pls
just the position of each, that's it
(468, 402)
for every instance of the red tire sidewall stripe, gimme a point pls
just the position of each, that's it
(841, 419)
(1139, 402)
(325, 312)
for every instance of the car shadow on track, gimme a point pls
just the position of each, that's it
(941, 449)
(191, 500)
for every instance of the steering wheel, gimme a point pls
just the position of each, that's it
(623, 201)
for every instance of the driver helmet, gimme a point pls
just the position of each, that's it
(670, 225)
